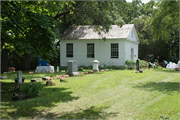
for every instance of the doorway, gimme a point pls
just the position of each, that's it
(132, 54)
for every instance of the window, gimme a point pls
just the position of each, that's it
(114, 50)
(69, 50)
(90, 50)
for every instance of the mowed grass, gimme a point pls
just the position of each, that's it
(117, 94)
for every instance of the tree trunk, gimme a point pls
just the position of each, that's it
(4, 62)
(27, 61)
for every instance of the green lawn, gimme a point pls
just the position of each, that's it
(117, 94)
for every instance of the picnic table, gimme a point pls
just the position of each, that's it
(41, 69)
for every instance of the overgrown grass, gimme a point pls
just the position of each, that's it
(117, 94)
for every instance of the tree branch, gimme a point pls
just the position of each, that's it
(15, 53)
(174, 44)
(61, 14)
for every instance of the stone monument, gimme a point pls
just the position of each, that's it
(57, 68)
(95, 65)
(72, 68)
(137, 65)
(178, 64)
(19, 76)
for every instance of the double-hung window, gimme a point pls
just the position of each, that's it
(114, 50)
(69, 50)
(90, 50)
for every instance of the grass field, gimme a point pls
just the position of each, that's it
(117, 94)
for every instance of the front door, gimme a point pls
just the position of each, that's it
(132, 54)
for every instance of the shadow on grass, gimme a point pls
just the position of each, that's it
(30, 107)
(6, 86)
(89, 113)
(165, 87)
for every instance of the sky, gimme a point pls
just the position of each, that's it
(144, 1)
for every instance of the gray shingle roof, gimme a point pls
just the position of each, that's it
(85, 32)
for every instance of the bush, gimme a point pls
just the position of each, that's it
(130, 64)
(85, 67)
(31, 89)
(143, 63)
(90, 67)
(80, 69)
(100, 67)
(113, 67)
(63, 68)
(16, 88)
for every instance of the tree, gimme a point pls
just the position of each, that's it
(144, 34)
(30, 27)
(31, 34)
(164, 25)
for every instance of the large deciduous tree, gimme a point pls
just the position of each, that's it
(30, 26)
(31, 34)
(164, 26)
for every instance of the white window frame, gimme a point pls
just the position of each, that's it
(90, 52)
(115, 50)
(69, 50)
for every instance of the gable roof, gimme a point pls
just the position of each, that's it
(85, 32)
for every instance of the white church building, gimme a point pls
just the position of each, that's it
(82, 44)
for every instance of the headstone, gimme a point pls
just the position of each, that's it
(137, 65)
(178, 64)
(95, 65)
(45, 78)
(3, 77)
(149, 65)
(35, 80)
(57, 68)
(19, 76)
(72, 68)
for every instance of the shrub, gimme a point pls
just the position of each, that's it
(113, 67)
(63, 68)
(85, 67)
(80, 69)
(130, 64)
(121, 68)
(100, 67)
(31, 89)
(90, 67)
(143, 63)
(16, 88)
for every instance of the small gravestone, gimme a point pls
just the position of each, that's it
(178, 64)
(3, 77)
(72, 68)
(95, 65)
(45, 78)
(137, 65)
(149, 65)
(35, 80)
(19, 76)
(57, 68)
